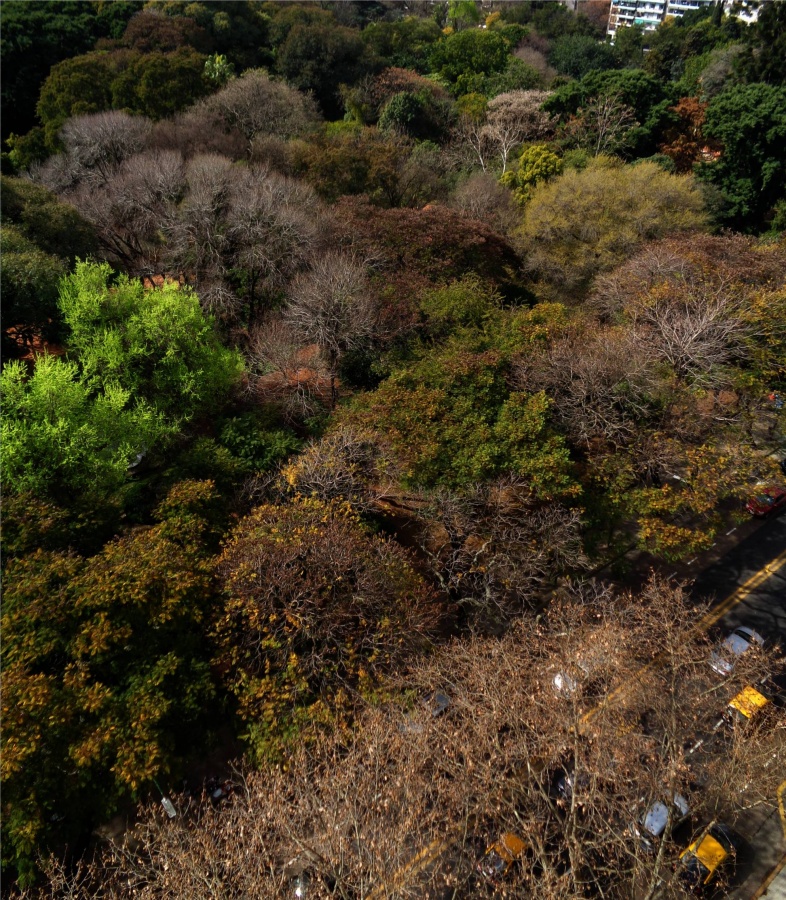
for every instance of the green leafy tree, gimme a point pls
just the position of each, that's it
(750, 122)
(157, 344)
(765, 57)
(404, 43)
(469, 53)
(586, 222)
(159, 84)
(75, 87)
(104, 675)
(319, 58)
(536, 164)
(577, 55)
(38, 34)
(61, 438)
(29, 280)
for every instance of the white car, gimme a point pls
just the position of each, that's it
(650, 827)
(741, 639)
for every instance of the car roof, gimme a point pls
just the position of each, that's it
(710, 852)
(749, 701)
(657, 815)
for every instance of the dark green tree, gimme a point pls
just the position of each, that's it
(750, 122)
(577, 55)
(319, 58)
(470, 53)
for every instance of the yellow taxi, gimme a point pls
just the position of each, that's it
(747, 705)
(712, 854)
(500, 856)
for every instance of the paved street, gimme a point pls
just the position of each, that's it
(763, 608)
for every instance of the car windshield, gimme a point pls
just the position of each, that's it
(765, 499)
(694, 872)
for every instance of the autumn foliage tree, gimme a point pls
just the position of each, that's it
(316, 610)
(105, 678)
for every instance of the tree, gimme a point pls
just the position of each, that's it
(76, 87)
(157, 344)
(105, 675)
(516, 117)
(470, 52)
(750, 123)
(315, 609)
(603, 126)
(410, 801)
(256, 105)
(319, 58)
(685, 141)
(63, 437)
(535, 164)
(99, 143)
(331, 306)
(159, 84)
(577, 55)
(36, 36)
(583, 223)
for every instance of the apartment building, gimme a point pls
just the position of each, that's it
(650, 13)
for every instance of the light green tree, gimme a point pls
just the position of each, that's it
(157, 344)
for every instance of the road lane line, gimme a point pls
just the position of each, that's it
(781, 806)
(764, 886)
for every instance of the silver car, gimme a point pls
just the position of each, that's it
(741, 639)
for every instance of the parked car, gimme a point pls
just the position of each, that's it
(747, 706)
(652, 824)
(712, 855)
(738, 642)
(768, 500)
(500, 856)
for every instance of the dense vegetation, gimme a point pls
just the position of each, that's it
(334, 330)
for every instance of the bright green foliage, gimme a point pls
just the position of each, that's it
(61, 437)
(577, 55)
(157, 344)
(314, 608)
(463, 14)
(536, 164)
(102, 678)
(589, 221)
(218, 69)
(469, 53)
(750, 122)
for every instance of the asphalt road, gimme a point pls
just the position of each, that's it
(762, 608)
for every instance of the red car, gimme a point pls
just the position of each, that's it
(769, 501)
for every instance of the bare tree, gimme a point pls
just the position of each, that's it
(98, 143)
(493, 551)
(347, 463)
(256, 105)
(562, 733)
(602, 125)
(332, 307)
(515, 117)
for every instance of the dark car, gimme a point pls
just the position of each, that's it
(768, 501)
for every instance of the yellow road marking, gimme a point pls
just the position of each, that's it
(762, 889)
(738, 595)
(781, 806)
(714, 615)
(419, 862)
